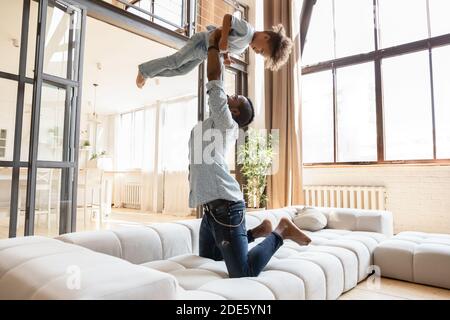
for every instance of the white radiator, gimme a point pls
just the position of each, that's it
(132, 195)
(358, 197)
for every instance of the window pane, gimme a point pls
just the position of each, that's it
(8, 97)
(48, 203)
(23, 176)
(441, 74)
(356, 113)
(59, 40)
(149, 136)
(31, 50)
(143, 4)
(51, 123)
(5, 201)
(169, 10)
(317, 118)
(230, 81)
(402, 21)
(439, 17)
(354, 32)
(10, 26)
(407, 107)
(125, 142)
(319, 41)
(138, 138)
(26, 122)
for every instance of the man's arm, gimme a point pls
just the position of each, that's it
(214, 66)
(218, 102)
(226, 28)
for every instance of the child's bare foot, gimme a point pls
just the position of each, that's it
(140, 80)
(263, 230)
(288, 230)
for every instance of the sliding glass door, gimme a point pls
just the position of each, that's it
(55, 118)
(38, 161)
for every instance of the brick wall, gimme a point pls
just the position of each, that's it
(418, 196)
(211, 12)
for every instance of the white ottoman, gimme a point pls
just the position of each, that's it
(416, 257)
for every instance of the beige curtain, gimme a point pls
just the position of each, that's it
(283, 112)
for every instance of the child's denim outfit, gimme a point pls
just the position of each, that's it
(196, 51)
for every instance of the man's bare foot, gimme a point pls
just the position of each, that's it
(288, 230)
(263, 230)
(140, 80)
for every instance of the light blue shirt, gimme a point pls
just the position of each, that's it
(240, 36)
(209, 144)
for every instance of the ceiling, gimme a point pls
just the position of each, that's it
(119, 53)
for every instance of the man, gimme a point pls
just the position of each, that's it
(223, 234)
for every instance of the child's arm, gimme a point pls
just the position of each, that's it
(226, 28)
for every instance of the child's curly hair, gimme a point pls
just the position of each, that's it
(281, 47)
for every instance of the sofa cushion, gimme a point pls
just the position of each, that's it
(140, 244)
(136, 244)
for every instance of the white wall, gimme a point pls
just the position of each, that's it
(418, 196)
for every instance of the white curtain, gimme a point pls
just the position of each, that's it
(150, 179)
(179, 117)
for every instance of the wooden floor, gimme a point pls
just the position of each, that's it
(384, 289)
(389, 289)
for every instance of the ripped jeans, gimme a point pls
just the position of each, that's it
(230, 243)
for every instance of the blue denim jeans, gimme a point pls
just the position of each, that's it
(219, 242)
(181, 62)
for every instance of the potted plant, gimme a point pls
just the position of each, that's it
(85, 144)
(255, 157)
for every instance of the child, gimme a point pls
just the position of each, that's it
(236, 35)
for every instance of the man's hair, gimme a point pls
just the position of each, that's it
(246, 115)
(281, 47)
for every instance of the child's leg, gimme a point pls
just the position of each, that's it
(192, 51)
(184, 69)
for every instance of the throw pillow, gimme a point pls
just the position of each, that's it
(310, 219)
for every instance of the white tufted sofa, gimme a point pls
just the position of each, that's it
(339, 257)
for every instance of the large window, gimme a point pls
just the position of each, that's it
(162, 128)
(375, 82)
